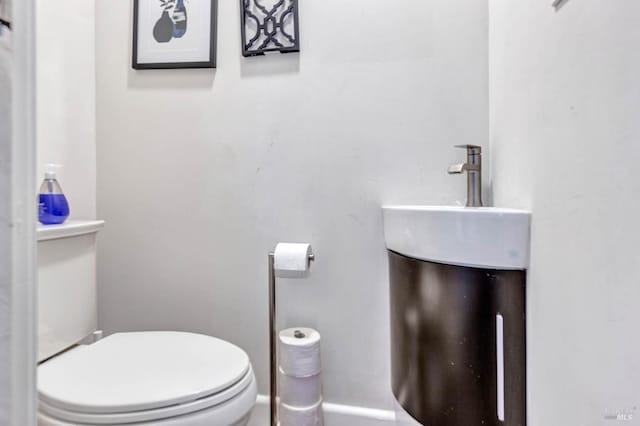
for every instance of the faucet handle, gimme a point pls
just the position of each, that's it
(471, 149)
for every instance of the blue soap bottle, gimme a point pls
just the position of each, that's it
(53, 208)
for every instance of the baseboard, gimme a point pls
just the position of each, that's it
(334, 415)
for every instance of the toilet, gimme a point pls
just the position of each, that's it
(159, 378)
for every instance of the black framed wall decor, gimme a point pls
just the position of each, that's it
(269, 26)
(174, 34)
(5, 14)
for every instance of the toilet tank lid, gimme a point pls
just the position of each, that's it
(128, 372)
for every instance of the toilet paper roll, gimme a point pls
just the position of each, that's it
(301, 416)
(291, 260)
(300, 391)
(300, 352)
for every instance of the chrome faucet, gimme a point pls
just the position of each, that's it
(473, 167)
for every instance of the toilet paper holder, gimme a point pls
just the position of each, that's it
(273, 335)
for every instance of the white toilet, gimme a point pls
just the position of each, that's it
(141, 378)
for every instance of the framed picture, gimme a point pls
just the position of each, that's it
(174, 34)
(5, 14)
(269, 28)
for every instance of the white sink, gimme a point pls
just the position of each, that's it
(484, 237)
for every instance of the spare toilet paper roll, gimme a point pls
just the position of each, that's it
(300, 391)
(300, 352)
(301, 416)
(291, 260)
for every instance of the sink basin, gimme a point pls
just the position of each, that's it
(484, 237)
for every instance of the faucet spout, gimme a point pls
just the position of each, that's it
(457, 169)
(473, 167)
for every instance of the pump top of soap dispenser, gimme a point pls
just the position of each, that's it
(51, 170)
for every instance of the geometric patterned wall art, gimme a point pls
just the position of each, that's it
(269, 26)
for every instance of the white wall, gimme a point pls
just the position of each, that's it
(6, 64)
(17, 220)
(66, 107)
(565, 133)
(202, 172)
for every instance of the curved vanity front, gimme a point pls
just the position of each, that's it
(458, 333)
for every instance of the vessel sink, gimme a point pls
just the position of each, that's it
(484, 237)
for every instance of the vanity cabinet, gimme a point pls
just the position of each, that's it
(458, 343)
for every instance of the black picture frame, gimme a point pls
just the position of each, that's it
(5, 14)
(249, 47)
(213, 37)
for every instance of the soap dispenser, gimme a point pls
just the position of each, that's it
(53, 207)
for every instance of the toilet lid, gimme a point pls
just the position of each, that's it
(128, 372)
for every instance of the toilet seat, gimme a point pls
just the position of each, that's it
(143, 377)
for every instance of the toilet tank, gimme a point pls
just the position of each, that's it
(67, 303)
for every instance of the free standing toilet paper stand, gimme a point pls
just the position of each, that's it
(273, 335)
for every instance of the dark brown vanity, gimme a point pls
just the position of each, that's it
(458, 346)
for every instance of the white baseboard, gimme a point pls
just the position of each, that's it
(334, 415)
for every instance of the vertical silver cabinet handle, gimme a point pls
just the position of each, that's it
(500, 365)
